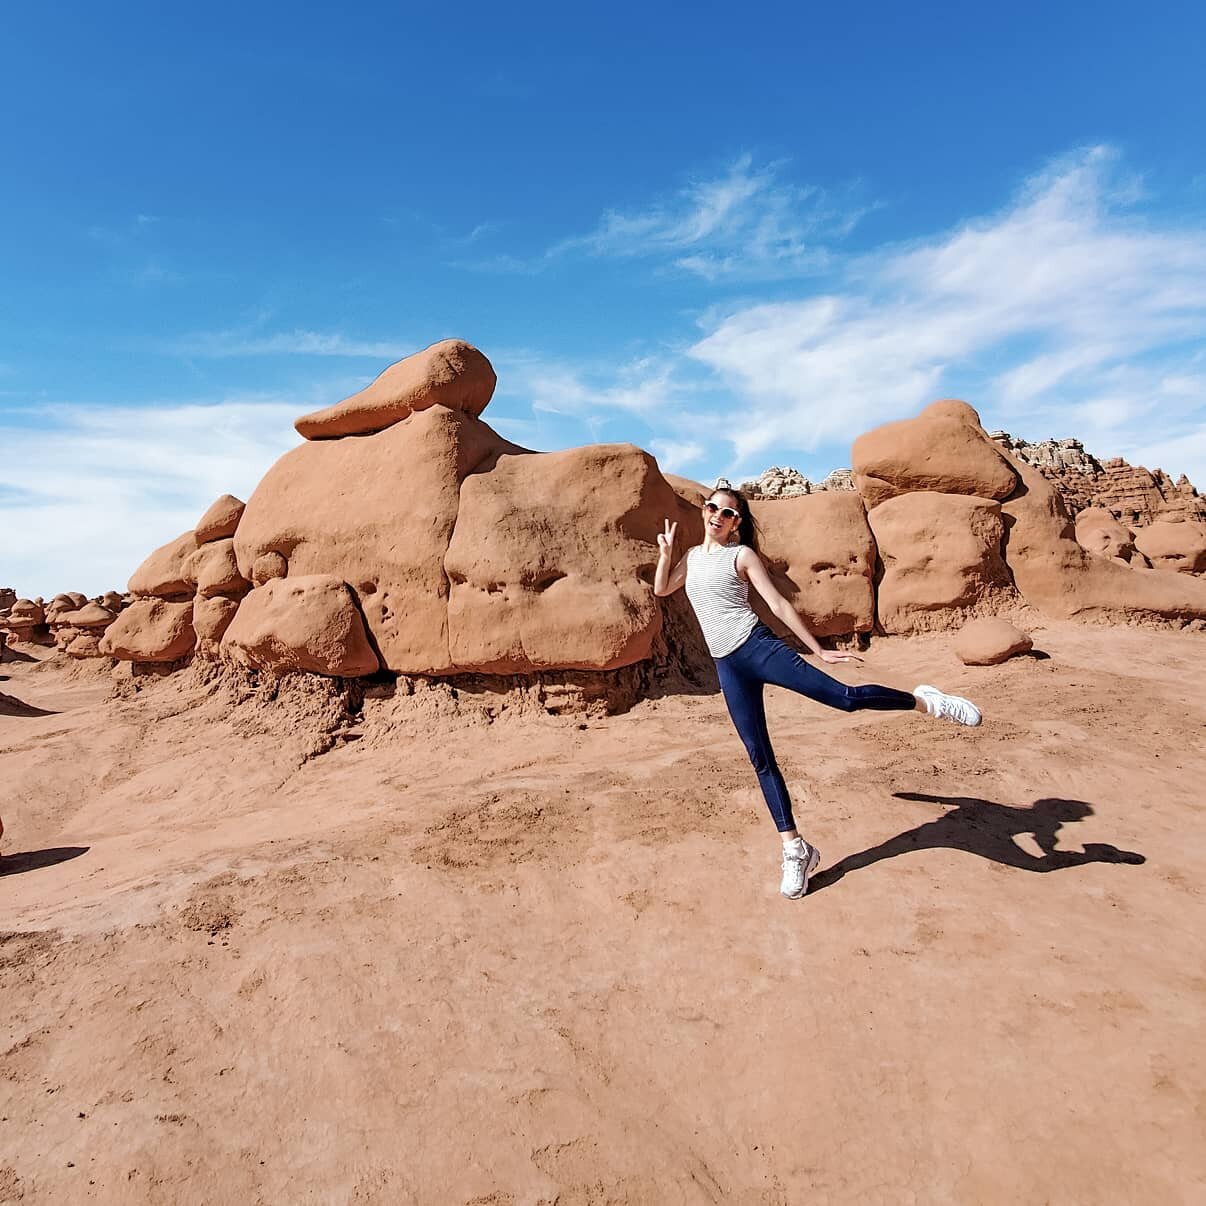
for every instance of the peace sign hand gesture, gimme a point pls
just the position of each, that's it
(665, 539)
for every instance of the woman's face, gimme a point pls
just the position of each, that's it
(721, 517)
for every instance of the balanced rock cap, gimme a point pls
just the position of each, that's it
(451, 373)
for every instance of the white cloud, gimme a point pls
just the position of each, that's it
(674, 455)
(1065, 307)
(749, 222)
(86, 495)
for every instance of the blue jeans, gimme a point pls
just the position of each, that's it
(762, 659)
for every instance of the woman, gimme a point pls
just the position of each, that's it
(718, 575)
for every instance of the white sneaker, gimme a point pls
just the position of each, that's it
(948, 707)
(800, 860)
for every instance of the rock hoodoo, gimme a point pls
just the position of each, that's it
(1131, 493)
(405, 535)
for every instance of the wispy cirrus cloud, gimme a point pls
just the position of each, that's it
(749, 223)
(1070, 311)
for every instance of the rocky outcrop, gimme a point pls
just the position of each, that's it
(1174, 545)
(1097, 531)
(821, 557)
(789, 483)
(150, 630)
(551, 559)
(943, 450)
(1132, 494)
(163, 575)
(309, 623)
(221, 520)
(990, 640)
(941, 557)
(452, 374)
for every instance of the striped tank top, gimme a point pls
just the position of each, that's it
(721, 598)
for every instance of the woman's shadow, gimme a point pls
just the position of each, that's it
(988, 829)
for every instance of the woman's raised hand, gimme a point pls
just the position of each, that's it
(833, 658)
(665, 539)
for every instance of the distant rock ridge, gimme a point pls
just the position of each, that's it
(1132, 494)
(790, 483)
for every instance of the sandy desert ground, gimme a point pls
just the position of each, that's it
(544, 959)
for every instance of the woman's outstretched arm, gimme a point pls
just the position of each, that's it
(750, 564)
(666, 580)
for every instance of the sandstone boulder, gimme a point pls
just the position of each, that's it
(162, 573)
(378, 513)
(821, 556)
(1174, 545)
(221, 520)
(944, 449)
(91, 618)
(1062, 580)
(310, 622)
(211, 618)
(1097, 531)
(268, 566)
(112, 600)
(451, 373)
(86, 644)
(214, 570)
(26, 613)
(990, 640)
(150, 630)
(941, 558)
(552, 559)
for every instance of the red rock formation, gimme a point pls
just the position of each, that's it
(941, 555)
(943, 450)
(453, 374)
(1131, 493)
(821, 556)
(990, 640)
(307, 623)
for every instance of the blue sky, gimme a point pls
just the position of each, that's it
(736, 236)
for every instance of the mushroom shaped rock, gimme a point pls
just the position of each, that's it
(214, 570)
(821, 556)
(150, 630)
(1061, 579)
(162, 573)
(306, 623)
(78, 599)
(112, 600)
(1097, 531)
(551, 560)
(1174, 545)
(452, 373)
(990, 640)
(376, 512)
(90, 618)
(221, 520)
(211, 619)
(86, 644)
(944, 449)
(942, 557)
(26, 613)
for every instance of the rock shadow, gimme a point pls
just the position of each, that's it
(10, 705)
(36, 860)
(988, 829)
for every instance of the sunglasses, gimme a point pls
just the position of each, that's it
(727, 512)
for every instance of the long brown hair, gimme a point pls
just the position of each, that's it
(747, 529)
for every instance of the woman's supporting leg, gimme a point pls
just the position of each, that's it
(743, 695)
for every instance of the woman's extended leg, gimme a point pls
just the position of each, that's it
(781, 666)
